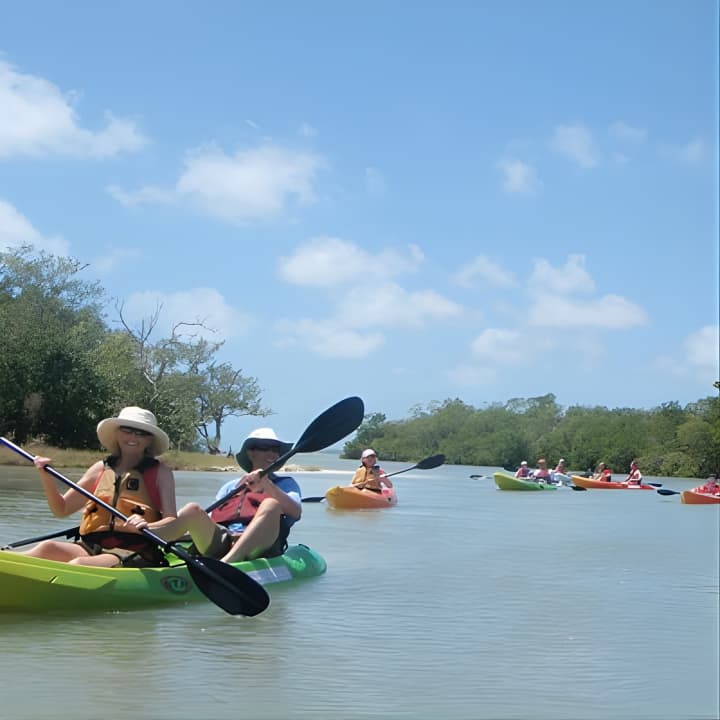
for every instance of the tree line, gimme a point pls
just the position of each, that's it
(62, 368)
(668, 440)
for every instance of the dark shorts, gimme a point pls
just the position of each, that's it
(150, 556)
(223, 539)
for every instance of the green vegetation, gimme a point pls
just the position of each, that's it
(668, 440)
(62, 368)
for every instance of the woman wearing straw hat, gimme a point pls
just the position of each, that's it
(256, 521)
(132, 480)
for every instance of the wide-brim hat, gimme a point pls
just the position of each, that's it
(261, 436)
(139, 419)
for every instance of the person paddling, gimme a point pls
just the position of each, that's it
(130, 479)
(254, 522)
(370, 476)
(635, 476)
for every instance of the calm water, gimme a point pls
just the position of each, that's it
(460, 602)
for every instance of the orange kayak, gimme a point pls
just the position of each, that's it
(589, 483)
(693, 497)
(351, 498)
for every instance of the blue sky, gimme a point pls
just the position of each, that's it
(406, 201)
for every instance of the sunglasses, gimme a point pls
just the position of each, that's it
(265, 448)
(134, 431)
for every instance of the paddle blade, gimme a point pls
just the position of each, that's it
(316, 499)
(431, 462)
(667, 491)
(332, 426)
(229, 588)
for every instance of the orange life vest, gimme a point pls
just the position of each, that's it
(134, 492)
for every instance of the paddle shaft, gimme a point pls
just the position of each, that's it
(70, 532)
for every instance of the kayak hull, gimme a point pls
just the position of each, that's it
(32, 584)
(692, 497)
(591, 484)
(508, 482)
(351, 498)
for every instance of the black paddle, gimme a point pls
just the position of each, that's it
(229, 588)
(329, 427)
(69, 533)
(427, 464)
(667, 491)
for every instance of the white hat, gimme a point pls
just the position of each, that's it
(139, 419)
(261, 436)
(367, 453)
(561, 460)
(524, 462)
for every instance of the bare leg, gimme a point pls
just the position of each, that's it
(56, 550)
(260, 534)
(191, 519)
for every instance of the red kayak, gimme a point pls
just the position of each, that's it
(589, 484)
(695, 497)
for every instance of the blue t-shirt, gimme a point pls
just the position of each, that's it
(286, 483)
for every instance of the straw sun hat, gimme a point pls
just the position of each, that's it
(139, 419)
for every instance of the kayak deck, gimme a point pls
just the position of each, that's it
(31, 584)
(352, 498)
(508, 482)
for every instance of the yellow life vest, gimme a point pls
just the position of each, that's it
(134, 492)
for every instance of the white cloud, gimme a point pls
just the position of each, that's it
(16, 230)
(610, 312)
(693, 152)
(570, 278)
(198, 305)
(627, 133)
(389, 305)
(307, 130)
(325, 262)
(115, 258)
(37, 119)
(252, 185)
(702, 350)
(483, 270)
(472, 375)
(501, 347)
(326, 338)
(576, 142)
(375, 182)
(518, 177)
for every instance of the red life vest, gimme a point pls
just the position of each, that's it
(241, 507)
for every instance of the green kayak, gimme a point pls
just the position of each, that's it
(30, 584)
(508, 482)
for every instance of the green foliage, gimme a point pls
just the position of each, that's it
(669, 440)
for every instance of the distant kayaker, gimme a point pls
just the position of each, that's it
(256, 521)
(602, 472)
(370, 476)
(711, 486)
(560, 467)
(130, 479)
(541, 473)
(635, 476)
(523, 471)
